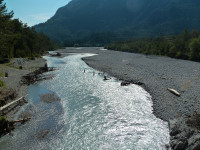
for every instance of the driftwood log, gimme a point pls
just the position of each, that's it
(22, 120)
(9, 104)
(174, 92)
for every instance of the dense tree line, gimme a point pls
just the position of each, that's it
(182, 46)
(19, 40)
(93, 40)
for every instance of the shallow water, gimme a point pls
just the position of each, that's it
(93, 114)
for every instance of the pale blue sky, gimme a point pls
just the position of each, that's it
(34, 11)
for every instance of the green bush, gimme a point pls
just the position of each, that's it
(194, 46)
(2, 83)
(3, 123)
(2, 118)
(1, 74)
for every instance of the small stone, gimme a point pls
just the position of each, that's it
(189, 134)
(167, 146)
(196, 146)
(11, 134)
(180, 146)
(125, 83)
(173, 143)
(174, 132)
(193, 139)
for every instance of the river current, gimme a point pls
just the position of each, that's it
(92, 114)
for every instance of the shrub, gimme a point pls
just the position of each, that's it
(2, 83)
(3, 123)
(2, 118)
(1, 74)
(194, 46)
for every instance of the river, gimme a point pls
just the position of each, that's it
(92, 114)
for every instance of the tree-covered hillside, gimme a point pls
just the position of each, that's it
(121, 19)
(19, 40)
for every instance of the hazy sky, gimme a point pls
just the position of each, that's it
(34, 11)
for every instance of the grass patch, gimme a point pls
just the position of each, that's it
(2, 118)
(1, 74)
(2, 84)
(11, 65)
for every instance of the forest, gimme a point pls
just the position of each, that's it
(183, 46)
(18, 39)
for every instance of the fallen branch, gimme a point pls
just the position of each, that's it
(7, 105)
(21, 120)
(174, 92)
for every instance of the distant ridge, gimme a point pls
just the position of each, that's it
(115, 19)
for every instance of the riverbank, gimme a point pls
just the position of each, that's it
(13, 81)
(156, 74)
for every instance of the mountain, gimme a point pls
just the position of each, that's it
(118, 19)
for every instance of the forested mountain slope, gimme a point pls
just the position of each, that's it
(121, 19)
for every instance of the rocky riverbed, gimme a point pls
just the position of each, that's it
(14, 88)
(156, 74)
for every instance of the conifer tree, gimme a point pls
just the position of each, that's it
(19, 40)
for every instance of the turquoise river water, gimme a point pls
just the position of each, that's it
(92, 114)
